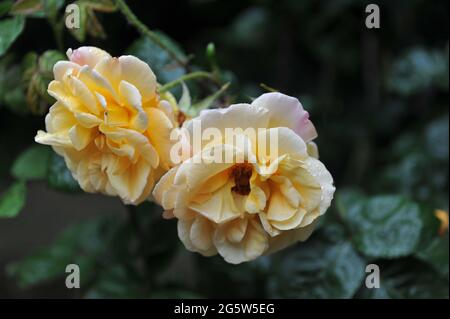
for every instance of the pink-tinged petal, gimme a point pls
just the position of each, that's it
(87, 56)
(287, 111)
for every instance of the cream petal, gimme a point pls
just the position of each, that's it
(124, 150)
(61, 140)
(324, 178)
(163, 186)
(287, 111)
(219, 207)
(82, 176)
(201, 234)
(57, 90)
(256, 200)
(146, 193)
(82, 92)
(236, 229)
(241, 116)
(131, 97)
(131, 185)
(287, 142)
(291, 223)
(287, 189)
(193, 172)
(98, 83)
(87, 120)
(63, 67)
(159, 129)
(110, 69)
(138, 73)
(267, 225)
(135, 139)
(184, 231)
(116, 115)
(253, 244)
(265, 171)
(59, 119)
(215, 182)
(80, 136)
(313, 150)
(279, 209)
(310, 217)
(169, 110)
(97, 178)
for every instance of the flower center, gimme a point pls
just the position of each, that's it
(241, 174)
(181, 117)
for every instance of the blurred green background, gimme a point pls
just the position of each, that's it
(378, 98)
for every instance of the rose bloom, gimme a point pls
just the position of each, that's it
(264, 203)
(109, 123)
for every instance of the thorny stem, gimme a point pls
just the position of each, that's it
(142, 28)
(186, 77)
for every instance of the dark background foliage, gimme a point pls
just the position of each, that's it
(379, 100)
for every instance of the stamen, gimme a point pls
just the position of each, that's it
(242, 174)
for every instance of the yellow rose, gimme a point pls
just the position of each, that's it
(244, 209)
(109, 123)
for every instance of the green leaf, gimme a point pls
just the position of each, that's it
(5, 7)
(27, 7)
(437, 138)
(47, 60)
(318, 270)
(51, 7)
(435, 253)
(37, 74)
(13, 200)
(185, 101)
(37, 8)
(419, 69)
(195, 109)
(171, 44)
(59, 176)
(101, 5)
(12, 93)
(407, 278)
(32, 164)
(347, 199)
(10, 29)
(434, 247)
(82, 244)
(113, 254)
(166, 70)
(117, 281)
(383, 226)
